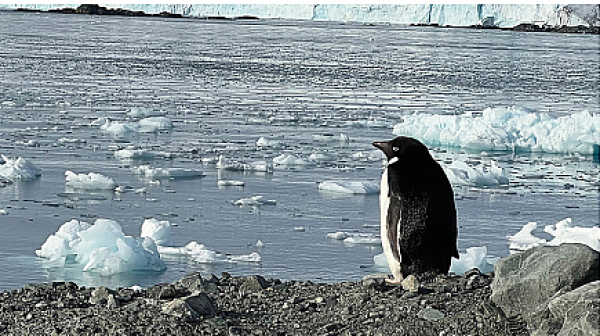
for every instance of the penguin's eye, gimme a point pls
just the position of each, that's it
(395, 149)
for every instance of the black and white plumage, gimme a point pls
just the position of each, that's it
(418, 216)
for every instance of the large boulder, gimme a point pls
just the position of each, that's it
(579, 310)
(525, 283)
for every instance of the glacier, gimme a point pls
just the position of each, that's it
(499, 15)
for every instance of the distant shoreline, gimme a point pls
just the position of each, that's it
(99, 10)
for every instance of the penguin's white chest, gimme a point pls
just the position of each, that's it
(384, 205)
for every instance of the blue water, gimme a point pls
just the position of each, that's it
(60, 72)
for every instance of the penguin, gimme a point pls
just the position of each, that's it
(418, 215)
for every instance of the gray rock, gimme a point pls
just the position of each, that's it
(411, 284)
(163, 291)
(430, 314)
(525, 282)
(253, 284)
(579, 309)
(191, 307)
(101, 295)
(112, 302)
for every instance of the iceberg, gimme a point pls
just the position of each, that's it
(226, 183)
(563, 232)
(140, 112)
(350, 187)
(132, 152)
(90, 181)
(506, 129)
(257, 166)
(19, 169)
(154, 124)
(268, 143)
(101, 247)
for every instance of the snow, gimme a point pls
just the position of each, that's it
(563, 232)
(501, 15)
(254, 201)
(506, 129)
(90, 181)
(460, 173)
(475, 257)
(101, 247)
(291, 160)
(159, 231)
(160, 173)
(350, 187)
(19, 169)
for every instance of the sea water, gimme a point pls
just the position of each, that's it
(263, 95)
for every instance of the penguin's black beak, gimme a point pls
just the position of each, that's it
(384, 146)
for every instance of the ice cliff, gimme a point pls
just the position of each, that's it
(443, 14)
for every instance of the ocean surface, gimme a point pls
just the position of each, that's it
(226, 84)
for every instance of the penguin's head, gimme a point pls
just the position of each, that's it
(402, 149)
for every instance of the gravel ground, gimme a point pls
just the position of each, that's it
(229, 305)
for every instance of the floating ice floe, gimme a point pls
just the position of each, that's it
(327, 137)
(90, 181)
(524, 239)
(160, 231)
(475, 257)
(63, 141)
(460, 173)
(355, 237)
(134, 153)
(264, 142)
(161, 173)
(369, 156)
(19, 169)
(291, 160)
(506, 129)
(116, 128)
(254, 201)
(257, 166)
(153, 124)
(101, 247)
(350, 187)
(321, 157)
(141, 112)
(225, 183)
(563, 232)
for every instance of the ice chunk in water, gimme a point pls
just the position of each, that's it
(264, 142)
(254, 201)
(565, 232)
(142, 112)
(159, 173)
(154, 124)
(102, 248)
(90, 181)
(19, 169)
(134, 153)
(461, 173)
(224, 183)
(524, 240)
(159, 231)
(476, 257)
(350, 187)
(355, 237)
(116, 128)
(257, 166)
(291, 160)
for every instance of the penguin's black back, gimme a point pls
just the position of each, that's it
(421, 197)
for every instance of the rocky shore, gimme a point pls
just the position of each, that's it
(543, 291)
